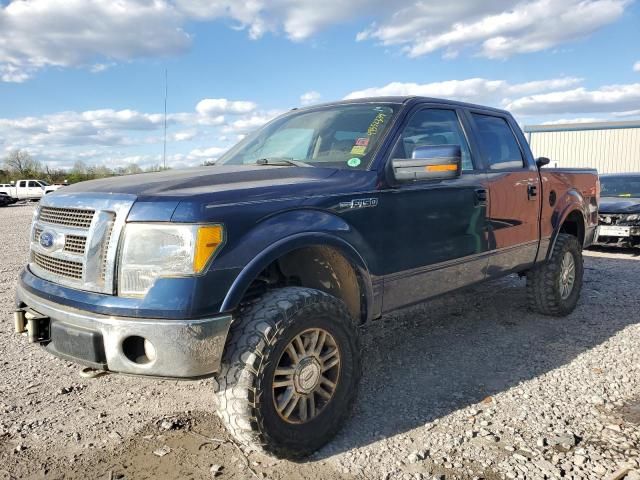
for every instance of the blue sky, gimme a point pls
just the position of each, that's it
(84, 79)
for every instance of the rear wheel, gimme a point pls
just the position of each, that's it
(554, 287)
(290, 372)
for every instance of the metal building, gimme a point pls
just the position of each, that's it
(610, 147)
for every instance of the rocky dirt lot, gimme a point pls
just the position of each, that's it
(468, 386)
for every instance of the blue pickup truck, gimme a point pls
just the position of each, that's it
(258, 270)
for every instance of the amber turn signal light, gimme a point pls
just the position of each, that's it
(441, 168)
(209, 239)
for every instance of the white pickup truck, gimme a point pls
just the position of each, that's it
(28, 189)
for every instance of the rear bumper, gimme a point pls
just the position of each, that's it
(139, 346)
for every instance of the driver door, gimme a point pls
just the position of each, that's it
(435, 238)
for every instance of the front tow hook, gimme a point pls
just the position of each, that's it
(37, 326)
(20, 321)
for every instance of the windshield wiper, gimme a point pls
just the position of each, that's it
(279, 161)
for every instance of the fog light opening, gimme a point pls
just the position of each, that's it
(139, 350)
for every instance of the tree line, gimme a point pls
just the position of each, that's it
(19, 164)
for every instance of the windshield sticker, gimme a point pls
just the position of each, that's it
(358, 150)
(353, 162)
(375, 125)
(362, 142)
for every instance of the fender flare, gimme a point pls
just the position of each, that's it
(289, 244)
(573, 206)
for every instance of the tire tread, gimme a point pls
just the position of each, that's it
(250, 340)
(542, 294)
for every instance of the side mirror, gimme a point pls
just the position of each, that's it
(542, 161)
(432, 162)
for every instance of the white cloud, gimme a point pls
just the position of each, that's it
(636, 66)
(251, 122)
(183, 136)
(627, 113)
(210, 153)
(309, 98)
(609, 98)
(216, 106)
(479, 90)
(561, 121)
(539, 98)
(95, 34)
(298, 19)
(542, 85)
(496, 28)
(119, 137)
(39, 33)
(13, 74)
(101, 67)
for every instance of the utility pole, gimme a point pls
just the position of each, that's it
(166, 92)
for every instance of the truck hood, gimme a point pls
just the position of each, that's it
(619, 205)
(248, 181)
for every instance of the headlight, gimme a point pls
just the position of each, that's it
(150, 251)
(632, 218)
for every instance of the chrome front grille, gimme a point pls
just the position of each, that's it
(64, 268)
(69, 217)
(82, 233)
(75, 244)
(105, 253)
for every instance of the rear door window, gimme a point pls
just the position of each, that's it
(498, 144)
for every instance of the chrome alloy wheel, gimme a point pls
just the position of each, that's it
(567, 275)
(306, 376)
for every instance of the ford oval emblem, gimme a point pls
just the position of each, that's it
(46, 239)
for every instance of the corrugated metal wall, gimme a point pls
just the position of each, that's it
(608, 150)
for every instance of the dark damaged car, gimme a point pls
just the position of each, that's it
(619, 222)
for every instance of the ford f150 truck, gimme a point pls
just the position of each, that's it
(258, 270)
(620, 210)
(28, 189)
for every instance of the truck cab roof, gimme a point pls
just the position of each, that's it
(407, 100)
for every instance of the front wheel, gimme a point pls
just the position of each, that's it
(553, 288)
(290, 372)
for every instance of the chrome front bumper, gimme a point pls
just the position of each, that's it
(173, 348)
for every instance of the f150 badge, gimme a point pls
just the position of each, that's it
(359, 203)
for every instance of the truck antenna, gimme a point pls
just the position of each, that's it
(164, 146)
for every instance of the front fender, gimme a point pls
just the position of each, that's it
(289, 231)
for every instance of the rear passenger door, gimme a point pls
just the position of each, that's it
(34, 189)
(514, 189)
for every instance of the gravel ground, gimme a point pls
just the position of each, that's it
(471, 385)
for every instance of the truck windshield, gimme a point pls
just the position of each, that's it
(622, 186)
(341, 136)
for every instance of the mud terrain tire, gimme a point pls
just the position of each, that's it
(259, 339)
(545, 283)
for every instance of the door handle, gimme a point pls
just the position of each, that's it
(532, 191)
(481, 196)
